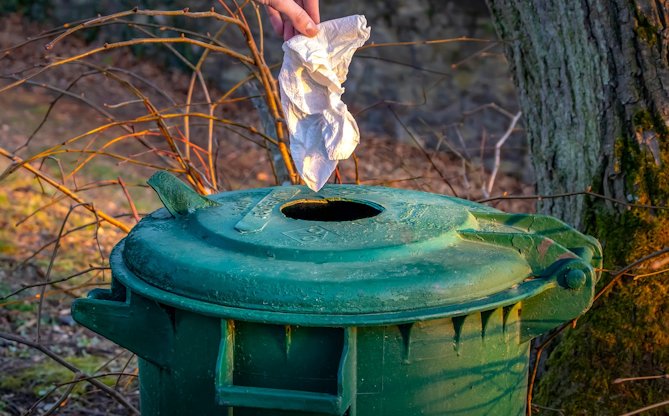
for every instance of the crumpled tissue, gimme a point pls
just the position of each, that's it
(322, 130)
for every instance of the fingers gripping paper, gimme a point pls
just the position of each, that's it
(322, 130)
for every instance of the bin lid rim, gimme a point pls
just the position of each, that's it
(403, 251)
(504, 298)
(346, 249)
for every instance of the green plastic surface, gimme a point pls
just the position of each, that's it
(358, 301)
(422, 252)
(194, 364)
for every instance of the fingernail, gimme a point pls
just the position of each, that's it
(311, 29)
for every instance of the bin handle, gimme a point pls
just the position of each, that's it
(176, 196)
(228, 394)
(564, 262)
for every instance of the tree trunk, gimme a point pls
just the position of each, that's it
(593, 83)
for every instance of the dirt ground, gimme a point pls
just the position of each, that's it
(32, 383)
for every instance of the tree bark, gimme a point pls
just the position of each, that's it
(593, 83)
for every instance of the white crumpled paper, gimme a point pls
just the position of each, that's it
(322, 130)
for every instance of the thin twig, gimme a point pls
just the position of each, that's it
(70, 291)
(113, 221)
(81, 164)
(271, 98)
(70, 94)
(136, 11)
(393, 102)
(386, 182)
(143, 119)
(492, 106)
(425, 42)
(197, 73)
(655, 273)
(480, 52)
(97, 383)
(68, 390)
(129, 198)
(261, 31)
(535, 368)
(406, 64)
(568, 194)
(123, 44)
(626, 379)
(60, 197)
(192, 175)
(64, 279)
(422, 149)
(357, 171)
(63, 397)
(47, 244)
(49, 268)
(143, 80)
(552, 409)
(643, 409)
(461, 139)
(619, 274)
(48, 112)
(185, 160)
(125, 366)
(443, 139)
(498, 151)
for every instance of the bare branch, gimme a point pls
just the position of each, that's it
(422, 149)
(498, 151)
(64, 279)
(425, 42)
(129, 198)
(17, 160)
(138, 41)
(625, 380)
(644, 409)
(136, 11)
(97, 383)
(568, 194)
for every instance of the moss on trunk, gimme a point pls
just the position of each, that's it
(593, 83)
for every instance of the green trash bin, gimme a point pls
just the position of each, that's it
(355, 300)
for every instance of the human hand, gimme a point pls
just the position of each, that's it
(291, 17)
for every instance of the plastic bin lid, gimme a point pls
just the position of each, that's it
(346, 250)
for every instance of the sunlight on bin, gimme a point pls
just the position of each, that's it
(355, 300)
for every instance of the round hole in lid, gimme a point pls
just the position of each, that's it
(330, 210)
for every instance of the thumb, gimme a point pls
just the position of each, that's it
(296, 14)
